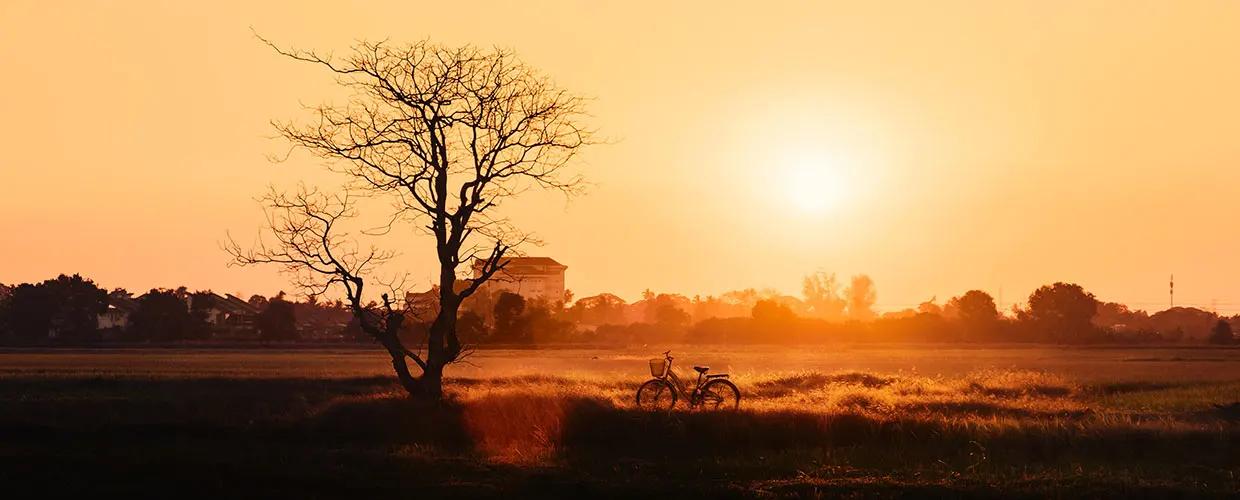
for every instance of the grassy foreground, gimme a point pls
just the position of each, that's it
(990, 432)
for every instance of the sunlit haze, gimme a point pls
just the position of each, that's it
(935, 146)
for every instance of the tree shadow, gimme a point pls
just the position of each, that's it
(1145, 386)
(985, 409)
(783, 386)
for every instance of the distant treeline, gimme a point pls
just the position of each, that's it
(827, 311)
(75, 309)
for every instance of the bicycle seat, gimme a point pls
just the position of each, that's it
(701, 369)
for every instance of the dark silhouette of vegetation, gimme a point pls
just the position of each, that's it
(508, 310)
(602, 309)
(72, 309)
(518, 321)
(977, 314)
(1057, 313)
(861, 297)
(278, 320)
(65, 307)
(1222, 333)
(822, 296)
(769, 311)
(471, 327)
(162, 315)
(1062, 312)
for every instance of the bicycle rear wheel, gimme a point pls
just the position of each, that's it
(720, 395)
(656, 395)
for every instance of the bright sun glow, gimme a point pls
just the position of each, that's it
(814, 184)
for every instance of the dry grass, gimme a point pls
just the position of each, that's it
(799, 431)
(528, 414)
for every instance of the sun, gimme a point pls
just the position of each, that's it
(814, 184)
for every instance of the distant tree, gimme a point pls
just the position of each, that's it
(707, 307)
(1062, 312)
(66, 307)
(1222, 334)
(1118, 317)
(977, 314)
(201, 306)
(28, 312)
(821, 293)
(930, 307)
(471, 327)
(258, 302)
(602, 309)
(277, 321)
(163, 315)
(508, 309)
(668, 311)
(733, 304)
(80, 304)
(1179, 323)
(770, 311)
(669, 315)
(542, 323)
(861, 296)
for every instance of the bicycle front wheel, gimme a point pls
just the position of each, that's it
(721, 395)
(656, 395)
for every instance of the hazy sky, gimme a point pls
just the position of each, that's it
(937, 146)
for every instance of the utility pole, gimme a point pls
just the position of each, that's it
(1172, 291)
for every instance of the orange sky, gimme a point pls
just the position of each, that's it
(957, 145)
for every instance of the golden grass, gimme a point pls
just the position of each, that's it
(1002, 423)
(526, 418)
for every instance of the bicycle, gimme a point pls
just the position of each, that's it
(714, 391)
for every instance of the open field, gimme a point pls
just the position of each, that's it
(819, 421)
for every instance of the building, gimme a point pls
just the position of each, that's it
(534, 278)
(116, 317)
(423, 306)
(228, 316)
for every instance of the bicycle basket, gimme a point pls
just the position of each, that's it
(658, 367)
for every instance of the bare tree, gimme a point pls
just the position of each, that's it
(446, 134)
(861, 296)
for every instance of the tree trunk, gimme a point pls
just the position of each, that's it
(431, 383)
(411, 384)
(427, 386)
(442, 348)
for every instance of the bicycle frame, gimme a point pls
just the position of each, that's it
(679, 384)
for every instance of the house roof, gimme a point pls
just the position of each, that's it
(122, 303)
(228, 303)
(526, 261)
(238, 305)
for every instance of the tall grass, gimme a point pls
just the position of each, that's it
(1012, 416)
(797, 432)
